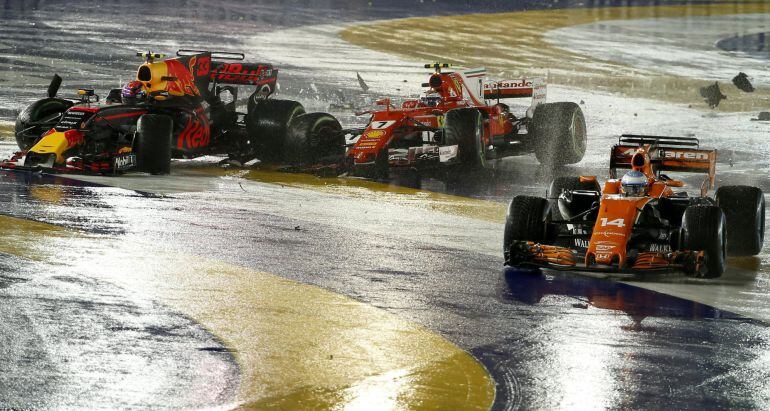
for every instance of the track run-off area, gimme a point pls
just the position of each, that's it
(248, 288)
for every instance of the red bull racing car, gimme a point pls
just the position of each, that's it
(461, 122)
(180, 107)
(638, 223)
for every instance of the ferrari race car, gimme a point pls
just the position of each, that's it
(179, 107)
(638, 223)
(461, 122)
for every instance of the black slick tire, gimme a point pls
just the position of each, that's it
(152, 144)
(267, 122)
(559, 133)
(464, 127)
(312, 137)
(744, 209)
(703, 229)
(526, 220)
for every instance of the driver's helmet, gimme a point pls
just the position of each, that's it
(634, 183)
(132, 92)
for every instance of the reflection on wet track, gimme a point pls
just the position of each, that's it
(583, 340)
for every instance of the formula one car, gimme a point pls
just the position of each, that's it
(638, 223)
(460, 122)
(180, 107)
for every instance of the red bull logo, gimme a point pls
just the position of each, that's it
(183, 83)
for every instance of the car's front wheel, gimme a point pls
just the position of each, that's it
(526, 220)
(703, 229)
(152, 144)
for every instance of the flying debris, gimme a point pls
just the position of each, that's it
(763, 116)
(742, 82)
(712, 95)
(362, 83)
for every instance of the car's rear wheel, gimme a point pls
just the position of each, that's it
(152, 143)
(744, 209)
(312, 137)
(526, 220)
(703, 229)
(559, 133)
(37, 118)
(464, 127)
(267, 122)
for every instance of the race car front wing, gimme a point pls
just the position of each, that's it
(531, 254)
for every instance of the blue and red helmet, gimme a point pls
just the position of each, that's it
(634, 183)
(132, 92)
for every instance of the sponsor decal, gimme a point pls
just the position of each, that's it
(374, 134)
(582, 243)
(683, 155)
(660, 248)
(71, 120)
(603, 256)
(184, 84)
(519, 83)
(73, 137)
(609, 234)
(204, 66)
(196, 133)
(237, 73)
(125, 161)
(605, 247)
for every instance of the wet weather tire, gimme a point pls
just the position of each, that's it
(464, 127)
(744, 209)
(37, 118)
(153, 143)
(527, 220)
(703, 229)
(267, 122)
(312, 137)
(559, 133)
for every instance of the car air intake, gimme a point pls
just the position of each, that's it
(144, 74)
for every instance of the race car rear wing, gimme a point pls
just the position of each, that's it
(681, 154)
(223, 67)
(517, 88)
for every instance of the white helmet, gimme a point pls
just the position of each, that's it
(634, 183)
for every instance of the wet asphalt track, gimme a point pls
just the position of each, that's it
(73, 336)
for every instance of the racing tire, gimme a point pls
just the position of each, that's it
(464, 127)
(744, 209)
(568, 183)
(559, 133)
(152, 144)
(703, 229)
(267, 122)
(31, 124)
(526, 220)
(312, 137)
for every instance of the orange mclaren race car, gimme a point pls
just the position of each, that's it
(460, 122)
(179, 107)
(638, 223)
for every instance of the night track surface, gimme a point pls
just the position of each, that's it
(246, 287)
